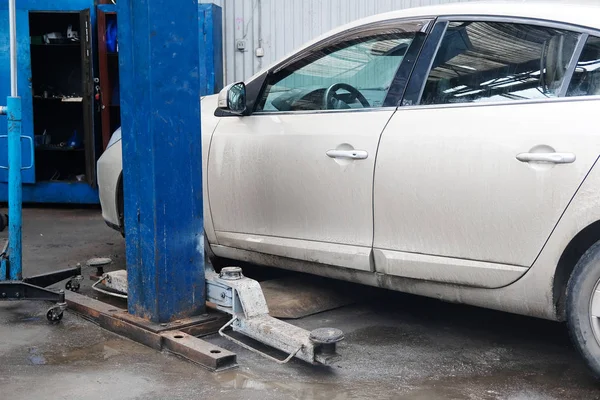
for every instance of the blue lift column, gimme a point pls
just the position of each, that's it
(162, 157)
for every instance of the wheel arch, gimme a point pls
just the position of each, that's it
(120, 203)
(578, 245)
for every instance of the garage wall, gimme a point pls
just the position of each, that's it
(280, 26)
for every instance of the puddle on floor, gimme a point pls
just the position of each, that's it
(236, 379)
(386, 336)
(532, 383)
(90, 354)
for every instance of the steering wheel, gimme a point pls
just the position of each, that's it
(332, 100)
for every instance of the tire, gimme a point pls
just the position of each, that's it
(121, 207)
(584, 328)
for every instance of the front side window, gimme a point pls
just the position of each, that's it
(586, 78)
(352, 71)
(494, 61)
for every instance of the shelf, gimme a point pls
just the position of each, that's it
(58, 149)
(73, 44)
(61, 99)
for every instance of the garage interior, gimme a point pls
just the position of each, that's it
(160, 341)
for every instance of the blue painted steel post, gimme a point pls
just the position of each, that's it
(162, 157)
(15, 222)
(13, 111)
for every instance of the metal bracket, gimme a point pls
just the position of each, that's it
(45, 280)
(116, 281)
(247, 347)
(243, 298)
(32, 155)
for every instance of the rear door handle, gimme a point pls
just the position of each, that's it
(348, 154)
(554, 158)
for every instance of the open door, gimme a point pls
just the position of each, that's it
(88, 100)
(108, 68)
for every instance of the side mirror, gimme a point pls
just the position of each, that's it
(233, 98)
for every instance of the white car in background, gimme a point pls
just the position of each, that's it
(446, 151)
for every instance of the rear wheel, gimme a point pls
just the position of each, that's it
(583, 307)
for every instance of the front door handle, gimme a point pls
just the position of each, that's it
(554, 158)
(348, 154)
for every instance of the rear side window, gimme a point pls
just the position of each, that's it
(586, 78)
(497, 61)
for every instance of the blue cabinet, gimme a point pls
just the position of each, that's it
(210, 22)
(55, 81)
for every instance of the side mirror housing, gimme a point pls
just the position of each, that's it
(233, 98)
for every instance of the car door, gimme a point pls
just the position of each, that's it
(295, 178)
(478, 165)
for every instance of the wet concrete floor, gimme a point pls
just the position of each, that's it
(397, 346)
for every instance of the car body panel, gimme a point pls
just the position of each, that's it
(209, 123)
(454, 188)
(353, 257)
(516, 276)
(110, 166)
(445, 269)
(275, 180)
(530, 295)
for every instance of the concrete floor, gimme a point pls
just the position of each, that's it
(396, 346)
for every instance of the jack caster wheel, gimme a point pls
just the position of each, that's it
(54, 314)
(72, 285)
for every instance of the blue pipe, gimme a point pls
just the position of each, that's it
(13, 111)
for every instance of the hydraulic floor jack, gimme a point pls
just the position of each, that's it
(242, 298)
(12, 284)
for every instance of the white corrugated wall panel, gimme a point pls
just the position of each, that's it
(281, 26)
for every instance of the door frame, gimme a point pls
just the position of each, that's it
(423, 66)
(87, 85)
(446, 269)
(357, 257)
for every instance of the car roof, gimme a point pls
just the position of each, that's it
(582, 13)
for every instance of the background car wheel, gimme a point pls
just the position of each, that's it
(583, 307)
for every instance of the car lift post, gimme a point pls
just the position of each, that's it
(162, 158)
(167, 282)
(12, 285)
(162, 171)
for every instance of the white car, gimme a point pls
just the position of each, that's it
(446, 151)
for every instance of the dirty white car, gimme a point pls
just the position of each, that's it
(447, 151)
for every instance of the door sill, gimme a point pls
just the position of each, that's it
(446, 269)
(340, 255)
